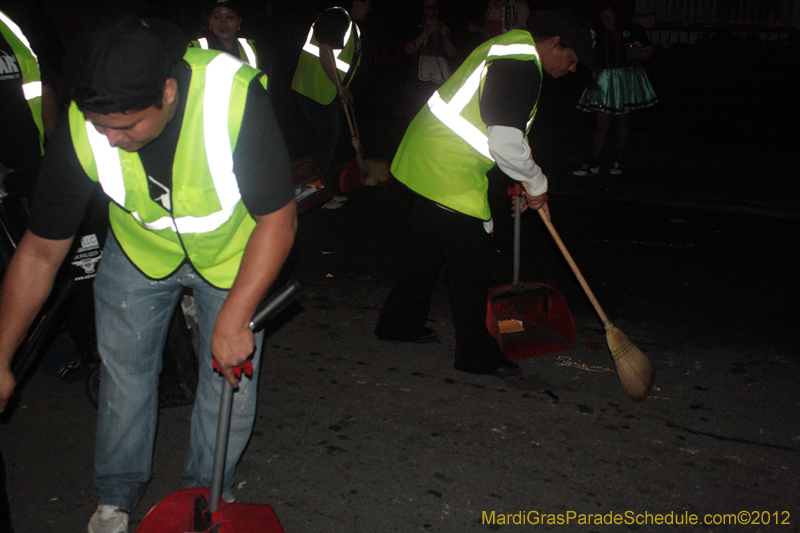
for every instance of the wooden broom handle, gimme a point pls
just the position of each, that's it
(338, 85)
(575, 270)
(350, 123)
(354, 138)
(571, 262)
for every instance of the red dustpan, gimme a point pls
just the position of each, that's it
(528, 319)
(187, 511)
(201, 509)
(358, 171)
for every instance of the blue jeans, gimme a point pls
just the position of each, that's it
(133, 315)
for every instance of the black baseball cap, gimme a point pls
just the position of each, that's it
(233, 5)
(575, 29)
(120, 62)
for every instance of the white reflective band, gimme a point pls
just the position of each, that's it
(18, 32)
(249, 52)
(459, 125)
(450, 113)
(314, 49)
(464, 95)
(216, 103)
(109, 168)
(32, 90)
(511, 49)
(161, 223)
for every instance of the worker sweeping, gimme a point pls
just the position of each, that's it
(480, 117)
(326, 67)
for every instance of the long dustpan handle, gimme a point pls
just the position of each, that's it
(267, 311)
(516, 190)
(606, 322)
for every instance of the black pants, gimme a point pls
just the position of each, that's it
(5, 514)
(461, 243)
(326, 120)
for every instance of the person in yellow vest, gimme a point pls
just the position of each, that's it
(224, 22)
(28, 109)
(326, 67)
(185, 144)
(479, 117)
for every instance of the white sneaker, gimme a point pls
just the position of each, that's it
(339, 198)
(616, 169)
(586, 169)
(333, 204)
(108, 519)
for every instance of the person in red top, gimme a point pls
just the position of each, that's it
(496, 21)
(430, 49)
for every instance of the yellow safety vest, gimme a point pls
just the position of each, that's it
(208, 224)
(444, 154)
(29, 69)
(246, 47)
(310, 78)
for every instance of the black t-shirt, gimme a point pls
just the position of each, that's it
(19, 135)
(42, 34)
(509, 93)
(330, 28)
(260, 162)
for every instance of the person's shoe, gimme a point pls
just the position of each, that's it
(507, 370)
(616, 169)
(587, 168)
(428, 335)
(332, 204)
(108, 519)
(339, 198)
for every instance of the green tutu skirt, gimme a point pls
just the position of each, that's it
(618, 91)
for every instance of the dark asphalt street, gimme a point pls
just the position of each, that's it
(358, 435)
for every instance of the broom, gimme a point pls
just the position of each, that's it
(356, 142)
(633, 367)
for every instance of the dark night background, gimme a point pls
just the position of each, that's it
(731, 85)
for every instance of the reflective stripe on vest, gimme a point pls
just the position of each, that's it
(248, 50)
(30, 76)
(450, 112)
(313, 49)
(216, 100)
(31, 89)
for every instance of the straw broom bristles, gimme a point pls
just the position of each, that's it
(633, 367)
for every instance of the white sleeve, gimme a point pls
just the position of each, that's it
(510, 150)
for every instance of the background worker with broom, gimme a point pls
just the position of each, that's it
(479, 117)
(325, 69)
